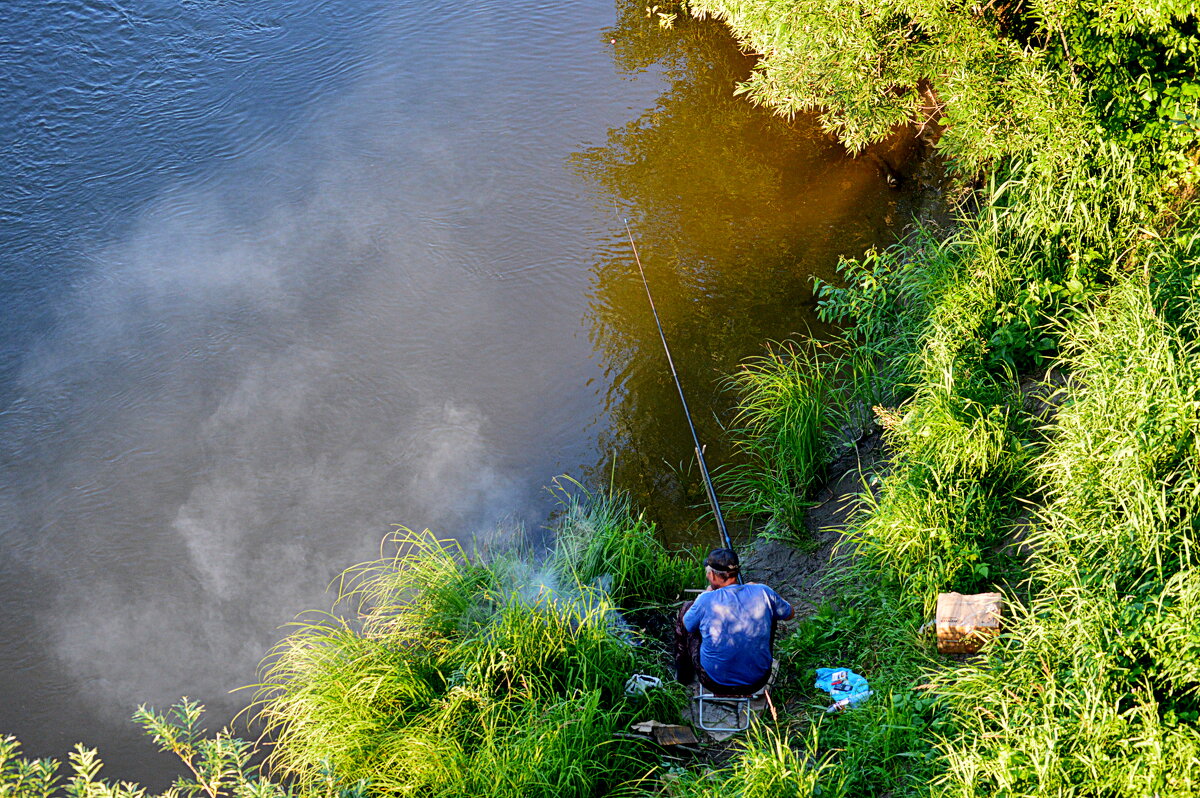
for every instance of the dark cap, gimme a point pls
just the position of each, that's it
(723, 561)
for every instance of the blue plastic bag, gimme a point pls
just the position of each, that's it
(850, 689)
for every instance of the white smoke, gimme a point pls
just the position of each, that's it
(291, 406)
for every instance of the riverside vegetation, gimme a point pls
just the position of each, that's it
(443, 675)
(1037, 378)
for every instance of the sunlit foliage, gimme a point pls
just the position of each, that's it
(1039, 377)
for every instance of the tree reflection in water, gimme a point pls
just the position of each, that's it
(733, 210)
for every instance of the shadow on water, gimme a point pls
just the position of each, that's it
(734, 210)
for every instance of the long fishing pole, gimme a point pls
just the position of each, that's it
(708, 484)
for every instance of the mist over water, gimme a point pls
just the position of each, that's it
(275, 277)
(244, 368)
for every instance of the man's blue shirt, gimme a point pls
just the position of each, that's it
(735, 631)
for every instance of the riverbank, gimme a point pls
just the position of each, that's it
(1035, 377)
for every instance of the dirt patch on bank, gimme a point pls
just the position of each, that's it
(798, 573)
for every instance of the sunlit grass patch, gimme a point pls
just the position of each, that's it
(457, 677)
(781, 434)
(1093, 690)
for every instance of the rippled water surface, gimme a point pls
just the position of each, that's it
(278, 275)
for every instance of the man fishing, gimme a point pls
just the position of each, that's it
(724, 637)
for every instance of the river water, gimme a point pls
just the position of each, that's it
(278, 275)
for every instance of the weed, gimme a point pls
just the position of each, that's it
(780, 432)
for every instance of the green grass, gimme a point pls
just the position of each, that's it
(604, 542)
(765, 766)
(781, 435)
(1095, 690)
(456, 677)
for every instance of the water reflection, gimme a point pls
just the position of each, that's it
(733, 210)
(273, 309)
(271, 290)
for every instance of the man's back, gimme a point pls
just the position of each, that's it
(735, 625)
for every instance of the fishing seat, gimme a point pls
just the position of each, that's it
(740, 704)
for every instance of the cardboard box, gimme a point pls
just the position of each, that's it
(965, 622)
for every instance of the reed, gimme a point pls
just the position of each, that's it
(781, 436)
(447, 676)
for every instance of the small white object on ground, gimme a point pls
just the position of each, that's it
(640, 683)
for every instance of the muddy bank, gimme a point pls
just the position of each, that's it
(798, 572)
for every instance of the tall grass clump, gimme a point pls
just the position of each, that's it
(920, 538)
(781, 432)
(604, 542)
(962, 441)
(765, 765)
(444, 676)
(1095, 690)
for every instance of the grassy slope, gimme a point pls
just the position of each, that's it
(1079, 260)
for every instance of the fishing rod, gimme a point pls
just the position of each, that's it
(708, 484)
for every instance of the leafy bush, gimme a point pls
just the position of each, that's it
(885, 300)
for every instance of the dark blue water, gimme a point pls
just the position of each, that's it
(276, 276)
(107, 104)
